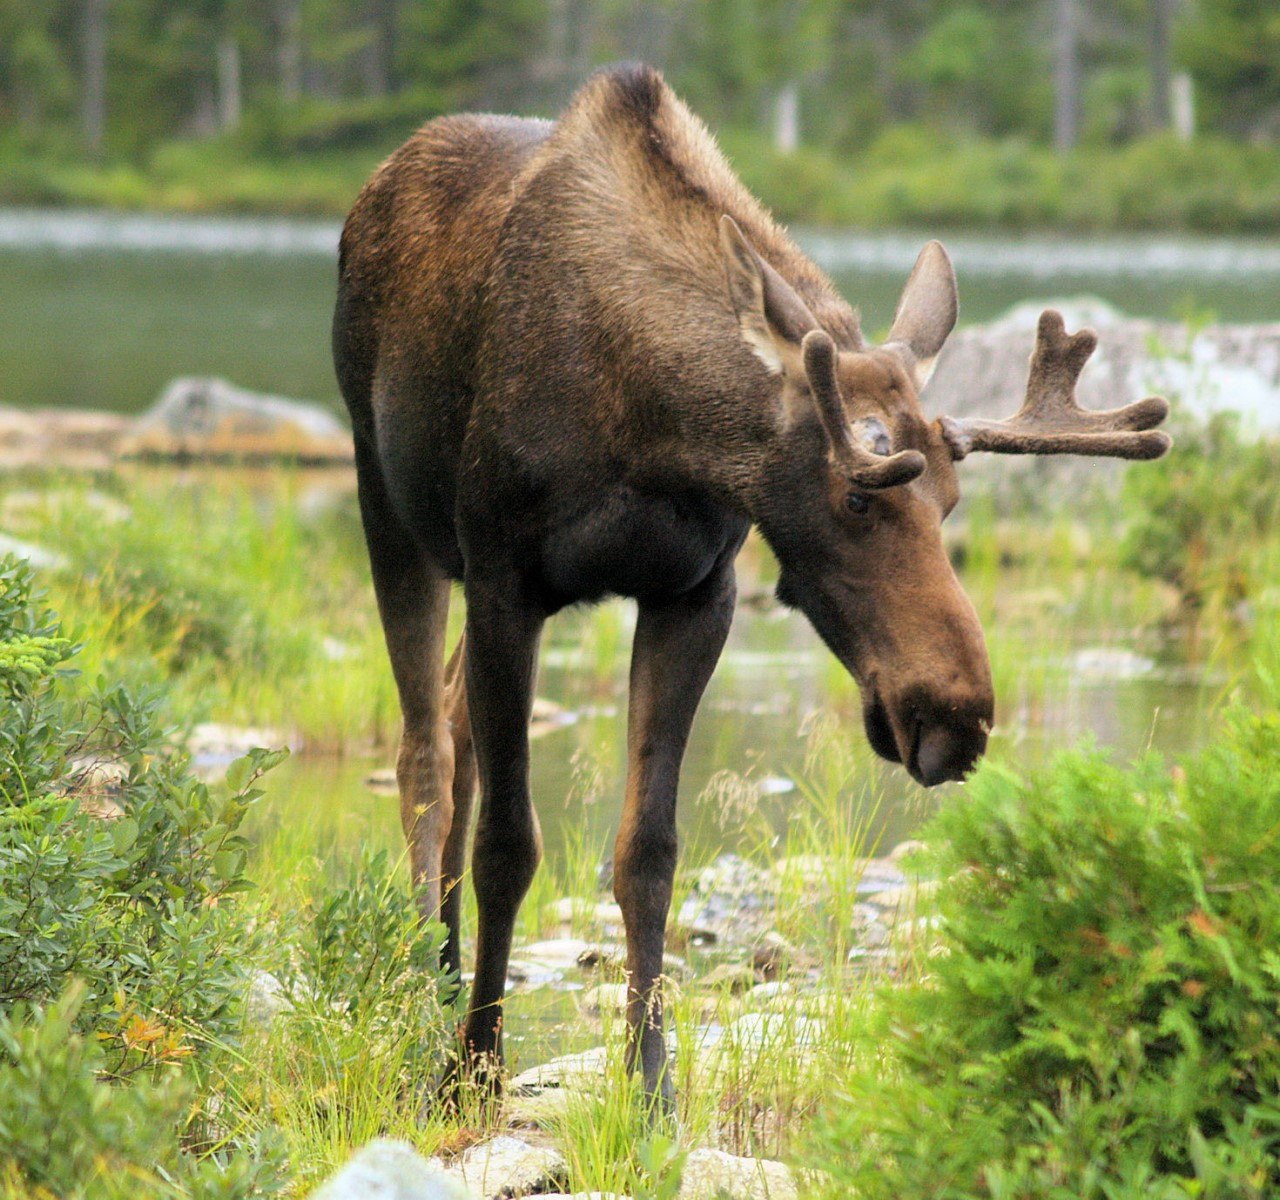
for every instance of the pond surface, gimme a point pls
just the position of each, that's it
(776, 694)
(102, 310)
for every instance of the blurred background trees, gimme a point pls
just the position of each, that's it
(113, 78)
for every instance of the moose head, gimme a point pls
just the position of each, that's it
(856, 483)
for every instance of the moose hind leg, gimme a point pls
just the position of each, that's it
(675, 650)
(501, 658)
(464, 786)
(413, 601)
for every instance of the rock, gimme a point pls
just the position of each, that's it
(215, 747)
(555, 954)
(213, 419)
(583, 1072)
(732, 898)
(64, 437)
(548, 716)
(1110, 662)
(713, 1175)
(764, 993)
(265, 1000)
(762, 1031)
(597, 912)
(544, 1109)
(903, 849)
(509, 1166)
(41, 558)
(382, 782)
(731, 977)
(387, 1170)
(605, 1000)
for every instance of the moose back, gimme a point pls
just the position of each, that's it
(582, 360)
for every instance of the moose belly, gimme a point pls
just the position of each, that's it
(632, 544)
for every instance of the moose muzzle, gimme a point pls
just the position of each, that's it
(936, 736)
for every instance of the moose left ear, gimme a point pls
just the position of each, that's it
(926, 313)
(771, 317)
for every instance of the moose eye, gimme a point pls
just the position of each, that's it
(856, 503)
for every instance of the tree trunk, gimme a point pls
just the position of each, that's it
(288, 15)
(385, 40)
(93, 110)
(786, 119)
(229, 103)
(1066, 75)
(1161, 63)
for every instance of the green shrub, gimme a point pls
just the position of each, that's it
(1101, 1017)
(1199, 516)
(120, 868)
(65, 1132)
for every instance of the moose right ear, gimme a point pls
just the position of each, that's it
(773, 319)
(926, 312)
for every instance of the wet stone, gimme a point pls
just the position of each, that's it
(580, 1072)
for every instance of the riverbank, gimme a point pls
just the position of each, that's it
(910, 175)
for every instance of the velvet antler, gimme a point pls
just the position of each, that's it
(861, 447)
(1051, 422)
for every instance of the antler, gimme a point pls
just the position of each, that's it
(1051, 422)
(861, 447)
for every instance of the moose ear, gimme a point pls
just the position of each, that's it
(773, 319)
(926, 313)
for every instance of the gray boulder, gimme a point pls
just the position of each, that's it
(387, 1170)
(212, 419)
(711, 1174)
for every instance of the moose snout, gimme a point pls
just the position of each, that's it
(935, 741)
(946, 750)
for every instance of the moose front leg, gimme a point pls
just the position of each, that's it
(676, 648)
(500, 662)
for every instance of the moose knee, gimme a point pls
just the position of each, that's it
(505, 858)
(424, 773)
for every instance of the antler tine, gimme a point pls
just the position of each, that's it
(849, 442)
(1051, 422)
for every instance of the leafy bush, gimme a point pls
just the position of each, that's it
(120, 868)
(1101, 1018)
(62, 1128)
(121, 876)
(1198, 517)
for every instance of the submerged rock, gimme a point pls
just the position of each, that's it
(387, 1170)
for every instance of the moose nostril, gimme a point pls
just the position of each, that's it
(944, 753)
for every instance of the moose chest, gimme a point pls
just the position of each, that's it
(652, 546)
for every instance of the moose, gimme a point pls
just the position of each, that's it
(582, 360)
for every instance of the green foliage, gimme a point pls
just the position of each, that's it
(287, 106)
(120, 868)
(1199, 516)
(64, 1129)
(1100, 1017)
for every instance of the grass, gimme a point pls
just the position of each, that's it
(246, 600)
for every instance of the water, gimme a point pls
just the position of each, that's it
(102, 310)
